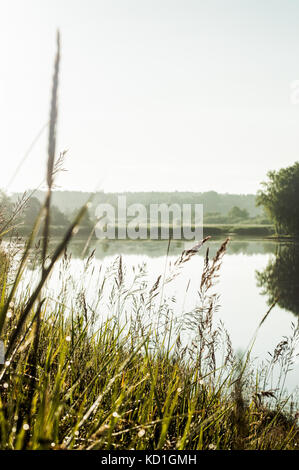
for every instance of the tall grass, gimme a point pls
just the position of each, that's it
(124, 374)
(127, 373)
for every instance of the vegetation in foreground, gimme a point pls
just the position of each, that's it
(127, 374)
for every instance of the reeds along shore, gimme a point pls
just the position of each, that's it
(119, 375)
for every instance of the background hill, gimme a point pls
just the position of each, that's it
(213, 202)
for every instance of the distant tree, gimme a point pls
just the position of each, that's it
(238, 214)
(280, 279)
(68, 201)
(6, 208)
(32, 210)
(85, 221)
(280, 199)
(57, 217)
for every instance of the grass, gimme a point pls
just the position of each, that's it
(127, 373)
(95, 381)
(104, 383)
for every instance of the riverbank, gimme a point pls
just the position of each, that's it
(242, 230)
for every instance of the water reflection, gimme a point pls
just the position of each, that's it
(239, 286)
(280, 279)
(153, 249)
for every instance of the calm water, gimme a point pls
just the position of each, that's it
(252, 275)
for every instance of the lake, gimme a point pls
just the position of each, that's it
(252, 275)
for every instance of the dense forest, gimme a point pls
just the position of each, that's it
(213, 202)
(223, 213)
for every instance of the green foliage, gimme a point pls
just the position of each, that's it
(213, 202)
(94, 384)
(6, 209)
(31, 212)
(6, 206)
(280, 279)
(58, 218)
(280, 199)
(237, 214)
(86, 221)
(65, 204)
(253, 230)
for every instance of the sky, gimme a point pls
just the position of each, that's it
(158, 95)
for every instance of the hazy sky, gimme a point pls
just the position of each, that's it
(154, 94)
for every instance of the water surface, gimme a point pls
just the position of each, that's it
(254, 274)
